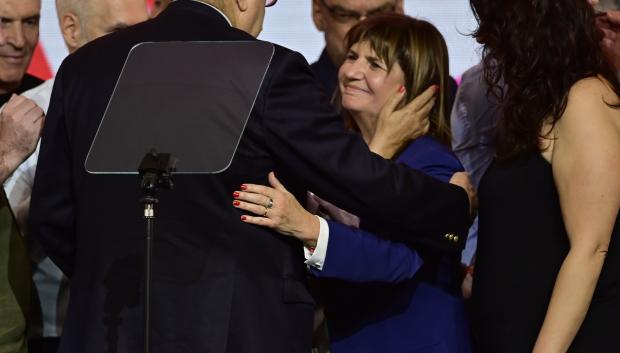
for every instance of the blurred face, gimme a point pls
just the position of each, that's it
(366, 82)
(336, 17)
(106, 16)
(19, 34)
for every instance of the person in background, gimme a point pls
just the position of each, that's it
(81, 21)
(380, 294)
(473, 118)
(20, 35)
(608, 20)
(20, 125)
(547, 273)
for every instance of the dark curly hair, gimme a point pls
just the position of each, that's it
(540, 48)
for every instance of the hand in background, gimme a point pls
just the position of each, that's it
(397, 127)
(274, 207)
(463, 180)
(21, 121)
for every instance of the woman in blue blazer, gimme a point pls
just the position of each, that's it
(380, 295)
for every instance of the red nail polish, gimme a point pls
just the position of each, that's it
(401, 89)
(236, 194)
(236, 203)
(243, 218)
(244, 187)
(435, 88)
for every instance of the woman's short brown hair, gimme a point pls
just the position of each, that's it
(420, 50)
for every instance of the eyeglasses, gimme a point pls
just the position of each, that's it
(269, 3)
(346, 16)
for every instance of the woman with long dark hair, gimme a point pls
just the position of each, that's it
(548, 269)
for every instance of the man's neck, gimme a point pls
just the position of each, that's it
(222, 11)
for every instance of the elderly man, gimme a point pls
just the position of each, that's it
(219, 285)
(20, 34)
(20, 125)
(81, 21)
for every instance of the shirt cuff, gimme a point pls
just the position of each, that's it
(316, 258)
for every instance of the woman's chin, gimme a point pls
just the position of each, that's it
(351, 106)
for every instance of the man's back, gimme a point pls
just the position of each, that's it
(196, 259)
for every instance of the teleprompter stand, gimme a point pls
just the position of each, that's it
(155, 172)
(184, 104)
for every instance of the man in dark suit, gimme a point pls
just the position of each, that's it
(219, 285)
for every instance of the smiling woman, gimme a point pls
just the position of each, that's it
(382, 295)
(407, 52)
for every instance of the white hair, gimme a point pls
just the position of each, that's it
(80, 8)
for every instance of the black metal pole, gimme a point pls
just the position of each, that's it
(156, 171)
(149, 215)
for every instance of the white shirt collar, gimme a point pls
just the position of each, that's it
(216, 9)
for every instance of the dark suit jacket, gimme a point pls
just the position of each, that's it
(383, 296)
(219, 285)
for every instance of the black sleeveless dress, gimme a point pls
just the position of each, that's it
(521, 246)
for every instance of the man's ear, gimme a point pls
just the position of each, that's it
(318, 15)
(242, 5)
(71, 29)
(399, 8)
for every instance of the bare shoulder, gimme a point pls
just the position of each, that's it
(591, 103)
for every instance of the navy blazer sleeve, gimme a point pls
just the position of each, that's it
(356, 255)
(305, 135)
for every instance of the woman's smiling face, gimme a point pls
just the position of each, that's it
(365, 81)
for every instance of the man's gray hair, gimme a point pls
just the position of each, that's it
(78, 7)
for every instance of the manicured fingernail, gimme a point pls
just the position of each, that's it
(236, 194)
(435, 88)
(235, 203)
(243, 218)
(244, 187)
(401, 89)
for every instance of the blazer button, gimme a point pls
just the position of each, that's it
(456, 238)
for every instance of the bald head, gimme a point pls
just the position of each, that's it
(84, 20)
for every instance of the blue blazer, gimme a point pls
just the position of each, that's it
(383, 296)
